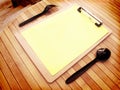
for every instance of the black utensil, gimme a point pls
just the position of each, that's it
(102, 54)
(47, 8)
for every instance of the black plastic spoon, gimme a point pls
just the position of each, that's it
(46, 9)
(102, 54)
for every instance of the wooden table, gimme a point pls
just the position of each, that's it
(17, 71)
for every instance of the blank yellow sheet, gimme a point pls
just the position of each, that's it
(58, 40)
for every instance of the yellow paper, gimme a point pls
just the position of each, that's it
(58, 40)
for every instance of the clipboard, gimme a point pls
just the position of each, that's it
(57, 43)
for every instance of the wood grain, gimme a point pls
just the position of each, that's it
(18, 72)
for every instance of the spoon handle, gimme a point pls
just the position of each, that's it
(30, 20)
(75, 75)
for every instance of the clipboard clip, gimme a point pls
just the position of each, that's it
(98, 22)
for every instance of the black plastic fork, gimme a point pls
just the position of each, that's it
(46, 9)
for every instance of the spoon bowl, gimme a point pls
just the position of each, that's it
(103, 54)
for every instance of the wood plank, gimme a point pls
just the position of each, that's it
(8, 74)
(55, 86)
(61, 82)
(73, 86)
(80, 81)
(17, 74)
(19, 63)
(3, 82)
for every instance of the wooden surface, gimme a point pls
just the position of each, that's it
(17, 71)
(16, 3)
